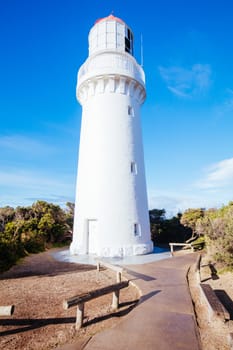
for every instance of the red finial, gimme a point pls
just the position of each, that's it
(111, 17)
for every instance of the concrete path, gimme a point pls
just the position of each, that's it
(164, 318)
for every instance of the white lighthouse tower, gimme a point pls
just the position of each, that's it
(111, 210)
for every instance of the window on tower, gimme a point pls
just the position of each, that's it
(129, 41)
(133, 168)
(127, 45)
(130, 111)
(137, 230)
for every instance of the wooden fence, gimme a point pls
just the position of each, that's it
(185, 245)
(81, 299)
(118, 269)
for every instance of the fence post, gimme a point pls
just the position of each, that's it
(198, 268)
(171, 247)
(118, 276)
(115, 300)
(79, 316)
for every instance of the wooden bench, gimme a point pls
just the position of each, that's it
(215, 306)
(7, 310)
(80, 300)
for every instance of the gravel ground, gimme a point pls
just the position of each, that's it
(37, 287)
(39, 284)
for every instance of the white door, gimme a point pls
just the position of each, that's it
(92, 236)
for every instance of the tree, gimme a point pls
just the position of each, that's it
(164, 231)
(69, 220)
(6, 215)
(190, 219)
(51, 221)
(157, 215)
(70, 208)
(30, 229)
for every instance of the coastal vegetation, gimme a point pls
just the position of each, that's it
(165, 230)
(32, 229)
(214, 227)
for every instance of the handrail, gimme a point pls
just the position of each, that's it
(189, 245)
(80, 300)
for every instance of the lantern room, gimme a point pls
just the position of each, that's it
(110, 33)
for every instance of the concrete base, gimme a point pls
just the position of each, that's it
(157, 254)
(119, 251)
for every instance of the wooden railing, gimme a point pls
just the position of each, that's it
(186, 245)
(119, 270)
(81, 299)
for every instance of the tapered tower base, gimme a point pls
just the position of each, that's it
(129, 250)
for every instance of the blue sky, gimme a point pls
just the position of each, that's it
(187, 119)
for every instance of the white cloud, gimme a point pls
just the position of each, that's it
(217, 175)
(227, 105)
(22, 187)
(20, 143)
(179, 202)
(185, 82)
(175, 202)
(15, 177)
(21, 181)
(177, 91)
(213, 190)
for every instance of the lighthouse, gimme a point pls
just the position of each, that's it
(111, 210)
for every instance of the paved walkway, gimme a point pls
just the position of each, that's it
(164, 318)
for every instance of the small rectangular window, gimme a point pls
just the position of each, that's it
(133, 168)
(130, 110)
(137, 231)
(127, 45)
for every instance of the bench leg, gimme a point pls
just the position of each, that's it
(118, 277)
(115, 300)
(79, 316)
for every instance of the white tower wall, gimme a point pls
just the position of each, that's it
(111, 212)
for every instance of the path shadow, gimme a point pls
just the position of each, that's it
(124, 312)
(141, 276)
(213, 273)
(30, 324)
(225, 300)
(131, 305)
(149, 295)
(51, 269)
(24, 325)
